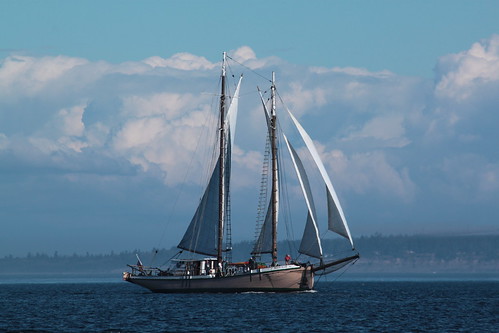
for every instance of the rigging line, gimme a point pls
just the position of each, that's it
(154, 256)
(207, 118)
(343, 271)
(290, 232)
(262, 197)
(229, 69)
(282, 101)
(337, 248)
(193, 244)
(175, 255)
(288, 220)
(285, 208)
(194, 241)
(287, 212)
(251, 70)
(285, 106)
(228, 93)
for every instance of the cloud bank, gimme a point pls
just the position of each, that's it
(82, 140)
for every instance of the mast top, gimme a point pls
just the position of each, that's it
(273, 109)
(223, 63)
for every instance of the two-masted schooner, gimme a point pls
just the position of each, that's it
(205, 233)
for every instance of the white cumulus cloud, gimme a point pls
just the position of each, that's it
(183, 61)
(462, 73)
(384, 137)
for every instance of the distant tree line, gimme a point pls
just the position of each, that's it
(442, 247)
(376, 248)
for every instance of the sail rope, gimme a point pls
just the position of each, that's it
(251, 70)
(176, 255)
(283, 184)
(262, 199)
(213, 160)
(197, 236)
(308, 175)
(343, 271)
(288, 221)
(155, 253)
(285, 208)
(208, 119)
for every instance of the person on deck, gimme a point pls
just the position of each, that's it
(287, 258)
(252, 263)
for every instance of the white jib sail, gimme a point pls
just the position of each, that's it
(231, 117)
(311, 243)
(336, 219)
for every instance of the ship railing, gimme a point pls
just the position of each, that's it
(139, 270)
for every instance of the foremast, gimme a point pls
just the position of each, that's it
(205, 234)
(222, 156)
(275, 172)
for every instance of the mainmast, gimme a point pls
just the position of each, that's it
(221, 199)
(275, 181)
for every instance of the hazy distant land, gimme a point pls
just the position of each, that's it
(380, 256)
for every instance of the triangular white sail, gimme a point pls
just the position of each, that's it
(310, 243)
(202, 234)
(336, 219)
(231, 117)
(264, 242)
(265, 110)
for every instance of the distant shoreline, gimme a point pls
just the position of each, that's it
(381, 258)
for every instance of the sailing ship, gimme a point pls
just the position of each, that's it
(214, 271)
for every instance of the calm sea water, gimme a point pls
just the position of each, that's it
(357, 306)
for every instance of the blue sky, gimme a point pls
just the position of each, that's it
(401, 36)
(94, 96)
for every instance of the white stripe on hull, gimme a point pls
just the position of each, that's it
(279, 279)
